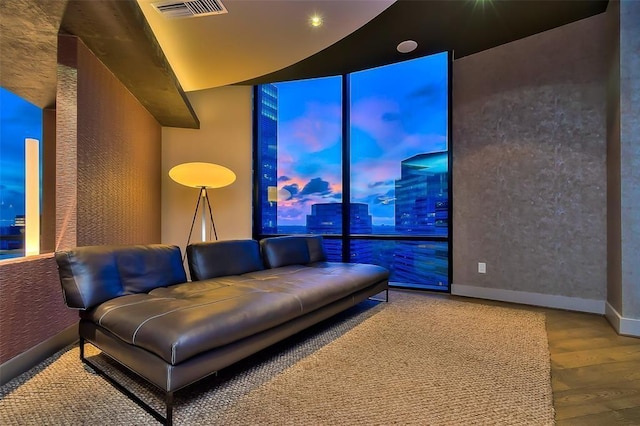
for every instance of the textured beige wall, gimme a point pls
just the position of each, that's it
(224, 137)
(529, 173)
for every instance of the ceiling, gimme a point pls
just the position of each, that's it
(254, 38)
(257, 41)
(462, 26)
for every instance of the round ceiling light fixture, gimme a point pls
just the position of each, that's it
(315, 21)
(407, 46)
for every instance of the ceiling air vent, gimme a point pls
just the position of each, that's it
(189, 8)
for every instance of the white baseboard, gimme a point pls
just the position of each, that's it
(32, 357)
(537, 299)
(624, 326)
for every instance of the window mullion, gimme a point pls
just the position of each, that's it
(346, 170)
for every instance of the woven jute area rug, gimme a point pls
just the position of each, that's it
(417, 360)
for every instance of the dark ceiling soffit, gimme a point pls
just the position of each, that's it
(28, 42)
(117, 33)
(464, 27)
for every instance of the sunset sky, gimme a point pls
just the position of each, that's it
(397, 111)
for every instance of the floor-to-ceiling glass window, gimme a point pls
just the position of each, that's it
(400, 169)
(377, 138)
(299, 128)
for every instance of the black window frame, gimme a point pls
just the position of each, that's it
(346, 237)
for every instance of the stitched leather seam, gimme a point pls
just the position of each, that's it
(209, 290)
(133, 337)
(113, 308)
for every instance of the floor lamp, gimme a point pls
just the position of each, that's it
(202, 176)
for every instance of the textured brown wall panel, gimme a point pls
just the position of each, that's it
(119, 146)
(107, 192)
(529, 164)
(31, 305)
(48, 218)
(66, 158)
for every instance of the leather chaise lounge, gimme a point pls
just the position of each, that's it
(138, 308)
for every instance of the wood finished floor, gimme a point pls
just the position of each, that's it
(595, 373)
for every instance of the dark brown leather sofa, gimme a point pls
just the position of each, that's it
(137, 307)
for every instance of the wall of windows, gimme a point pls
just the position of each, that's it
(377, 138)
(19, 120)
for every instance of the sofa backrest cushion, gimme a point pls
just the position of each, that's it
(143, 268)
(94, 274)
(221, 258)
(284, 251)
(316, 249)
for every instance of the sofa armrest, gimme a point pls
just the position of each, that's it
(94, 274)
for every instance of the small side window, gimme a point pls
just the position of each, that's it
(20, 176)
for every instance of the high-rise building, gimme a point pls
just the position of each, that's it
(267, 127)
(326, 218)
(422, 208)
(421, 263)
(422, 195)
(19, 220)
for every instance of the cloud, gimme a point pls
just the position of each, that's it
(432, 93)
(380, 183)
(400, 126)
(316, 186)
(379, 119)
(293, 189)
(291, 213)
(380, 198)
(318, 128)
(389, 198)
(284, 179)
(390, 116)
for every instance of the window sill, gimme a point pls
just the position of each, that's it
(26, 259)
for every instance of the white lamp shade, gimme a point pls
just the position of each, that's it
(199, 175)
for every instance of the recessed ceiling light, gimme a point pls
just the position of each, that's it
(315, 21)
(407, 46)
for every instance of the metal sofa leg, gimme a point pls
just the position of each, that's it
(81, 345)
(169, 404)
(166, 420)
(385, 299)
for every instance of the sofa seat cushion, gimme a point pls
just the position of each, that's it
(317, 284)
(182, 321)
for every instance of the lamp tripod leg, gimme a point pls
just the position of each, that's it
(213, 224)
(195, 214)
